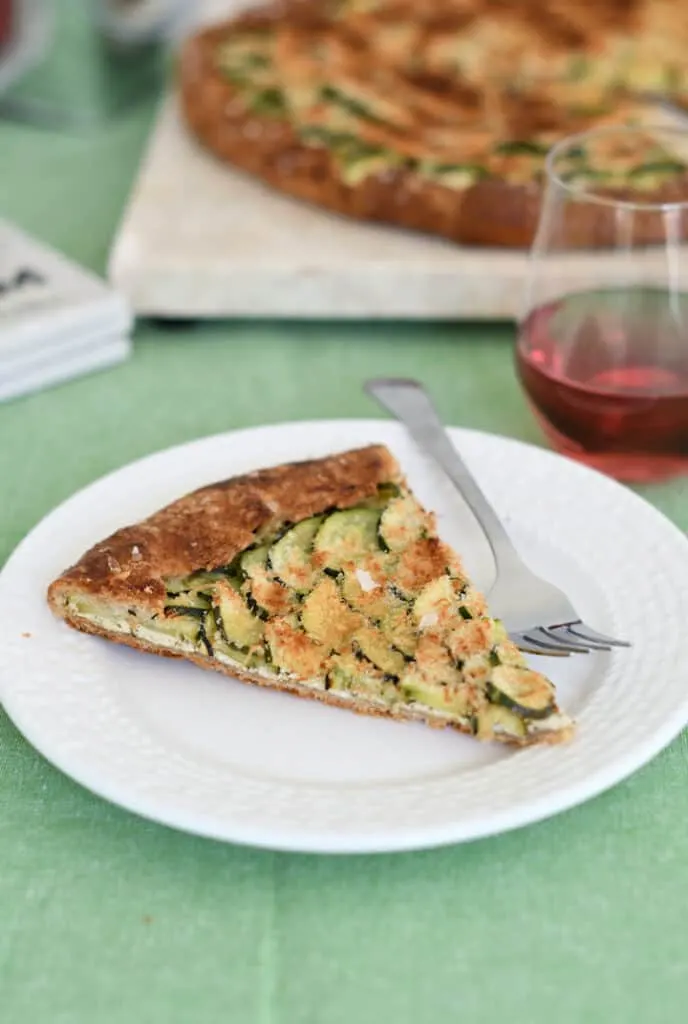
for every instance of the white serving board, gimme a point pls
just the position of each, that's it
(199, 239)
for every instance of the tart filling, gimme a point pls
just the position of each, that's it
(363, 603)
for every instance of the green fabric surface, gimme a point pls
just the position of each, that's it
(106, 918)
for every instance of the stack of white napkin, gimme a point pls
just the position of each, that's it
(57, 320)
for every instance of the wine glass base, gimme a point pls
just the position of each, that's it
(627, 467)
(633, 469)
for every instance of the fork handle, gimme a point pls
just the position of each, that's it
(408, 401)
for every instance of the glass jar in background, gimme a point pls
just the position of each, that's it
(602, 350)
(77, 63)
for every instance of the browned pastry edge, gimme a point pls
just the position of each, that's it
(208, 527)
(489, 213)
(297, 689)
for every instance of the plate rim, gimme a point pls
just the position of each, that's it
(453, 832)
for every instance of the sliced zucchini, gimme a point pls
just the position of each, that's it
(457, 176)
(346, 536)
(372, 644)
(255, 608)
(327, 618)
(237, 624)
(202, 580)
(245, 61)
(673, 79)
(356, 171)
(397, 593)
(290, 557)
(499, 632)
(330, 94)
(318, 135)
(454, 700)
(256, 60)
(578, 69)
(472, 604)
(402, 522)
(211, 629)
(656, 171)
(398, 627)
(355, 674)
(253, 560)
(358, 160)
(220, 647)
(249, 659)
(266, 596)
(508, 653)
(341, 672)
(387, 610)
(189, 599)
(203, 633)
(223, 651)
(495, 719)
(292, 650)
(420, 563)
(174, 611)
(522, 690)
(521, 147)
(269, 102)
(435, 663)
(475, 669)
(470, 638)
(369, 600)
(186, 624)
(587, 174)
(236, 76)
(435, 602)
(387, 491)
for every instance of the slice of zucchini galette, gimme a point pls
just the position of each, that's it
(326, 579)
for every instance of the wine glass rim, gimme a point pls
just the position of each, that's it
(628, 204)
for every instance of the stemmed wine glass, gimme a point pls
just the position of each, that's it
(602, 349)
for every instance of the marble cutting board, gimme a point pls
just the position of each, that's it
(199, 239)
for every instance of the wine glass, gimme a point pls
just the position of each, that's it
(602, 349)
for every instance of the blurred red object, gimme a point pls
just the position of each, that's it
(6, 21)
(25, 30)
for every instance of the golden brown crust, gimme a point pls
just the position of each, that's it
(270, 150)
(296, 688)
(488, 213)
(209, 527)
(119, 589)
(535, 34)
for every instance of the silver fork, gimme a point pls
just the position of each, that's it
(537, 615)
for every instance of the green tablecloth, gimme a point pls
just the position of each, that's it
(105, 918)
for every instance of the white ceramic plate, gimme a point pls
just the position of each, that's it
(212, 756)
